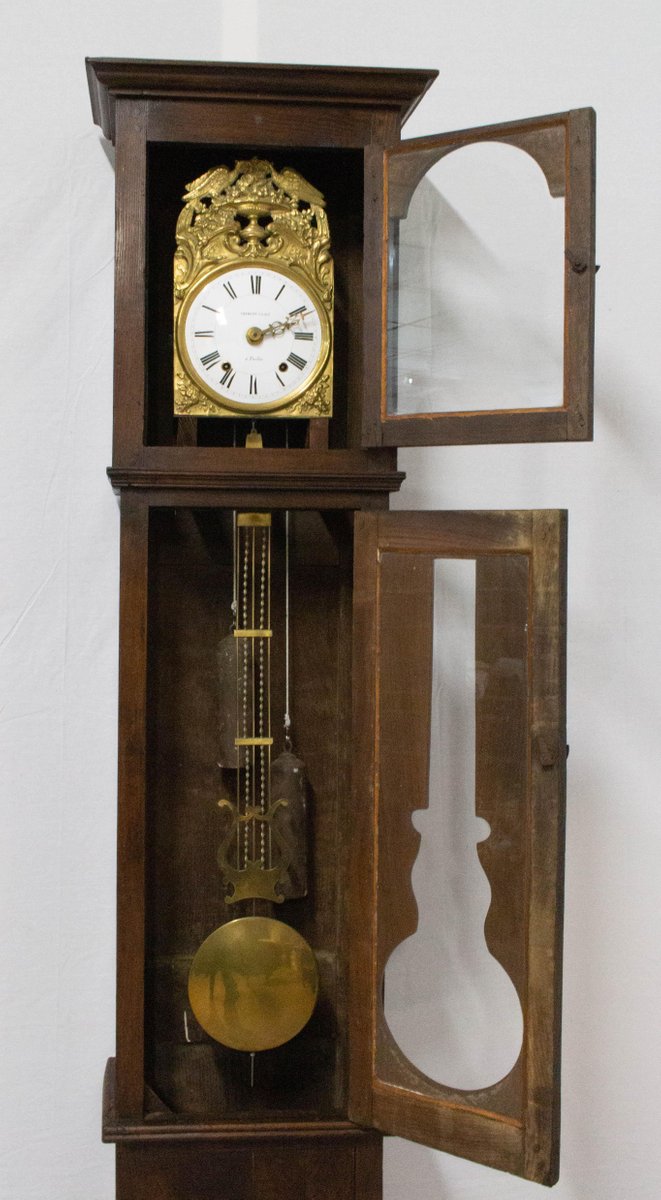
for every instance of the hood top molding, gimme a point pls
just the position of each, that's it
(111, 79)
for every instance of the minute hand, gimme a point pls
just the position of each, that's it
(276, 328)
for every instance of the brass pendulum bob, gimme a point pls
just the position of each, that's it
(253, 983)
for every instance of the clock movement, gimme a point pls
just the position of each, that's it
(277, 637)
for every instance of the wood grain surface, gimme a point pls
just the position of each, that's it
(520, 731)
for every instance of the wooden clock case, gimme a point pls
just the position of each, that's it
(186, 1122)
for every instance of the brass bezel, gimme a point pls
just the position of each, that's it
(226, 402)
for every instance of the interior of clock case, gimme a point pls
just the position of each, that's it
(190, 587)
(338, 174)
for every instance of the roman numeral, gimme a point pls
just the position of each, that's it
(296, 360)
(303, 337)
(230, 290)
(256, 284)
(253, 385)
(228, 378)
(204, 333)
(281, 291)
(210, 309)
(209, 359)
(296, 311)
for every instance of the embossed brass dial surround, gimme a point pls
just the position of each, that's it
(256, 217)
(253, 983)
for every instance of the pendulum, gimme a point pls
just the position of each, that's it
(253, 982)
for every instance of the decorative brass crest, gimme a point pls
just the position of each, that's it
(249, 214)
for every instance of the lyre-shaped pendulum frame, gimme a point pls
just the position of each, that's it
(253, 983)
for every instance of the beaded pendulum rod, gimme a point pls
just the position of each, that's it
(253, 574)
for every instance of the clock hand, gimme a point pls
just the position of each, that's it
(276, 328)
(291, 320)
(255, 335)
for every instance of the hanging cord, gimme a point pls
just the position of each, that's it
(287, 717)
(234, 605)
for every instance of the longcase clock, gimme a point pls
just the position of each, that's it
(277, 630)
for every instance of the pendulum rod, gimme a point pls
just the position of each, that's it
(253, 739)
(260, 538)
(243, 785)
(251, 644)
(263, 673)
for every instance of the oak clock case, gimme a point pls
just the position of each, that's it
(218, 167)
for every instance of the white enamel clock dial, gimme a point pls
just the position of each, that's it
(253, 337)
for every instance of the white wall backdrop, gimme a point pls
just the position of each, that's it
(58, 597)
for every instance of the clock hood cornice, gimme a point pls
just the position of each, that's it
(112, 78)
